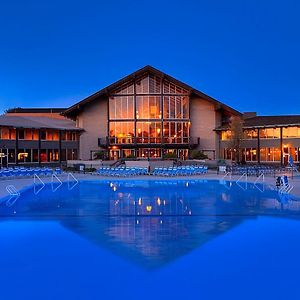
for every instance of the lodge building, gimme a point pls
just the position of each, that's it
(146, 115)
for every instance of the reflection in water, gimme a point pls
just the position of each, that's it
(151, 242)
(151, 222)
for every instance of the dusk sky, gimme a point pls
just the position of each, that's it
(243, 53)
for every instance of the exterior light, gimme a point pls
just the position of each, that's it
(148, 208)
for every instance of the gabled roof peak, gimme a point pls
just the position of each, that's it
(148, 68)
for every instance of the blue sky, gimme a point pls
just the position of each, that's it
(244, 53)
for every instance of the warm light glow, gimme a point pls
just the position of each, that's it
(148, 208)
(140, 201)
(22, 155)
(158, 201)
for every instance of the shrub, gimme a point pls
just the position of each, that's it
(197, 154)
(100, 155)
(170, 155)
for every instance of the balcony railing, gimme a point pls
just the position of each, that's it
(108, 141)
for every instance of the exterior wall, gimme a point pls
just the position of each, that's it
(204, 120)
(94, 120)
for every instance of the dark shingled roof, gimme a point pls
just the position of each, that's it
(37, 122)
(267, 121)
(35, 110)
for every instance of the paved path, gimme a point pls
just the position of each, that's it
(21, 183)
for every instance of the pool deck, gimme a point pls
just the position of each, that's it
(21, 183)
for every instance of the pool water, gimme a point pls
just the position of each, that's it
(150, 240)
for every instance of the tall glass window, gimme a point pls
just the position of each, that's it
(121, 107)
(291, 132)
(148, 132)
(269, 133)
(149, 84)
(149, 110)
(176, 107)
(121, 132)
(176, 132)
(148, 107)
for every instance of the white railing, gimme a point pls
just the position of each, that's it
(241, 177)
(70, 175)
(286, 189)
(227, 174)
(260, 177)
(54, 176)
(245, 175)
(12, 190)
(35, 178)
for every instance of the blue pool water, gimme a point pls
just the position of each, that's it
(150, 240)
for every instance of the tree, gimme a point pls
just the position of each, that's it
(236, 128)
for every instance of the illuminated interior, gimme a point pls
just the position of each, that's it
(149, 111)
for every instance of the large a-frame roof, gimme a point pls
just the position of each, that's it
(74, 109)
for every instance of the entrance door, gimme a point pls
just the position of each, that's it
(285, 155)
(114, 154)
(3, 160)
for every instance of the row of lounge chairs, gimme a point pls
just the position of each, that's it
(122, 171)
(252, 170)
(133, 171)
(27, 172)
(180, 171)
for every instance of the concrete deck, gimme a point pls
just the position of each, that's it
(21, 183)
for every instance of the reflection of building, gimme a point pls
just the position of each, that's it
(108, 217)
(147, 114)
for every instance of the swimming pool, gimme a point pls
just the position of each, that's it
(167, 239)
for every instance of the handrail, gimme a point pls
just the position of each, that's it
(244, 175)
(35, 176)
(227, 174)
(262, 175)
(75, 179)
(286, 189)
(52, 182)
(11, 189)
(71, 175)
